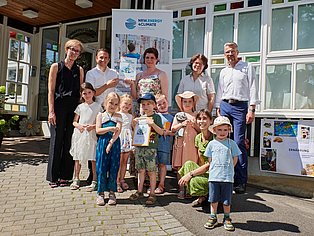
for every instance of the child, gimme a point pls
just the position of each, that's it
(186, 129)
(164, 142)
(125, 139)
(198, 186)
(222, 153)
(108, 127)
(84, 138)
(145, 157)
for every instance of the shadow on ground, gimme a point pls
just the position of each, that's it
(6, 163)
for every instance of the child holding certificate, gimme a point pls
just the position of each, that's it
(146, 135)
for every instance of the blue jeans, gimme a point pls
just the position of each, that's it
(236, 112)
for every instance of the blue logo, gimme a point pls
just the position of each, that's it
(130, 23)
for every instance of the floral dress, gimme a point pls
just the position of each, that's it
(150, 84)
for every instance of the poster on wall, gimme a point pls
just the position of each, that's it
(133, 31)
(287, 146)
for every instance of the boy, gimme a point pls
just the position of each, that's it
(222, 153)
(145, 157)
(164, 142)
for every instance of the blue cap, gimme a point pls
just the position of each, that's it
(147, 96)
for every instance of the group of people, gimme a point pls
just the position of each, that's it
(210, 159)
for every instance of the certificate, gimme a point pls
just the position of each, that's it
(141, 133)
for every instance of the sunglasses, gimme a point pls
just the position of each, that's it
(72, 49)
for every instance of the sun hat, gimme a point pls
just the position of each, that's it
(220, 120)
(186, 94)
(147, 96)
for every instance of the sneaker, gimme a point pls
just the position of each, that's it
(211, 223)
(100, 201)
(75, 184)
(112, 199)
(92, 187)
(240, 189)
(228, 224)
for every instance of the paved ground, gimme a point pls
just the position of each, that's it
(30, 207)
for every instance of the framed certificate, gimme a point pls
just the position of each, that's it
(141, 133)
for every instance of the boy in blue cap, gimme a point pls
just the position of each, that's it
(145, 156)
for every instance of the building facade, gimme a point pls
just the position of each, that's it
(276, 36)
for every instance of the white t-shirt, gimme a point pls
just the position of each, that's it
(98, 78)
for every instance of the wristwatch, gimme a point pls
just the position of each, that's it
(252, 109)
(191, 174)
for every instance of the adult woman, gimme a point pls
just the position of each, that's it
(152, 80)
(198, 186)
(199, 83)
(64, 83)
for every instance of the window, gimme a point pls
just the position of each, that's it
(278, 86)
(281, 29)
(188, 32)
(176, 78)
(85, 32)
(305, 26)
(18, 72)
(222, 32)
(249, 31)
(178, 37)
(305, 86)
(196, 34)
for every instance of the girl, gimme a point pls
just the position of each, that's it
(84, 138)
(186, 129)
(126, 139)
(108, 127)
(198, 186)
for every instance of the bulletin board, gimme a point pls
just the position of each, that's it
(287, 146)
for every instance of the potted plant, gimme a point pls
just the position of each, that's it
(6, 121)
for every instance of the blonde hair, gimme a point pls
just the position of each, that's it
(111, 95)
(127, 97)
(73, 43)
(160, 96)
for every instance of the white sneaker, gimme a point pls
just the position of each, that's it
(112, 199)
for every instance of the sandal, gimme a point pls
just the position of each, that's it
(159, 190)
(63, 183)
(119, 189)
(92, 187)
(100, 201)
(136, 196)
(181, 194)
(53, 184)
(198, 202)
(151, 200)
(124, 185)
(75, 184)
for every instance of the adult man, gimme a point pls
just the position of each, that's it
(103, 79)
(236, 98)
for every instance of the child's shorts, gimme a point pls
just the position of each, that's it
(163, 158)
(145, 158)
(220, 192)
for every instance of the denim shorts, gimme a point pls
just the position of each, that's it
(163, 158)
(220, 192)
(145, 158)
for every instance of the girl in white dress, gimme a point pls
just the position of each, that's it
(125, 139)
(84, 138)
